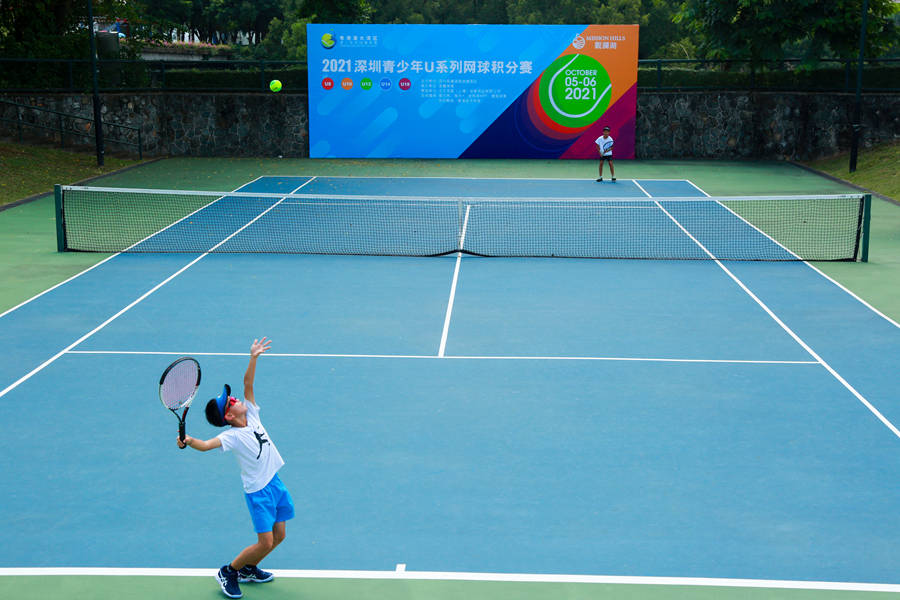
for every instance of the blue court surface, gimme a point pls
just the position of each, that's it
(655, 418)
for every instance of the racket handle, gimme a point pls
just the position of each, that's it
(181, 433)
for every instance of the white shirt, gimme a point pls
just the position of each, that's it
(602, 142)
(255, 452)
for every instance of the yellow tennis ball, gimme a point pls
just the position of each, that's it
(275, 85)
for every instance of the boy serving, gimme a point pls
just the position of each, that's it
(269, 502)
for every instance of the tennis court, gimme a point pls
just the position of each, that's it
(682, 426)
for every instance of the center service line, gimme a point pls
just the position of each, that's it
(462, 239)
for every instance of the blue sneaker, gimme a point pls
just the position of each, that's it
(253, 574)
(228, 581)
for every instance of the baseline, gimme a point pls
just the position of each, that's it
(467, 576)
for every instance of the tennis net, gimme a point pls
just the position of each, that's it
(816, 227)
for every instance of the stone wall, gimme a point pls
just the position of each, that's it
(176, 124)
(767, 125)
(707, 125)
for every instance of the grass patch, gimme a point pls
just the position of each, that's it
(876, 169)
(28, 170)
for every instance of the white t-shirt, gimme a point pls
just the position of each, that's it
(255, 452)
(602, 142)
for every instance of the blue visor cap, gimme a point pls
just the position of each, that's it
(222, 400)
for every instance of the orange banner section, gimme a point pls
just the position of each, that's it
(616, 48)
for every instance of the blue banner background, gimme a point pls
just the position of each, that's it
(423, 121)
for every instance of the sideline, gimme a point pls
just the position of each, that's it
(88, 180)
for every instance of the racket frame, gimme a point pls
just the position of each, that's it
(187, 403)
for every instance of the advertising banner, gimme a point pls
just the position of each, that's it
(470, 91)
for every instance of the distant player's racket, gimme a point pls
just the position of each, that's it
(177, 387)
(607, 146)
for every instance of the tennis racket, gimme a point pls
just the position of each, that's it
(607, 146)
(177, 387)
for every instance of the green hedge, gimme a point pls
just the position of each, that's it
(823, 78)
(75, 76)
(232, 76)
(44, 75)
(253, 76)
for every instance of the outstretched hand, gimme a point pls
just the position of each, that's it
(259, 346)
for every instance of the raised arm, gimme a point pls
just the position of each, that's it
(258, 347)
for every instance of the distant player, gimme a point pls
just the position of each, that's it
(268, 500)
(604, 147)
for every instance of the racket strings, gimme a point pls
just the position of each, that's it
(179, 384)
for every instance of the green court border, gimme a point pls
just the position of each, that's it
(205, 587)
(29, 265)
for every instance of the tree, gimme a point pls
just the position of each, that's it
(203, 21)
(337, 11)
(661, 36)
(837, 27)
(761, 29)
(574, 12)
(434, 11)
(286, 37)
(50, 28)
(754, 29)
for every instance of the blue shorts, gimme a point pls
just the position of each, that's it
(270, 505)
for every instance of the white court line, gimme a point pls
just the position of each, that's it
(463, 576)
(813, 267)
(640, 187)
(504, 179)
(451, 357)
(462, 239)
(50, 289)
(53, 359)
(591, 208)
(788, 330)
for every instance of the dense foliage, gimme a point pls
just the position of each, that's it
(275, 29)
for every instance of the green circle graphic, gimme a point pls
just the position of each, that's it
(575, 90)
(366, 83)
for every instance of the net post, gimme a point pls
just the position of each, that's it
(867, 217)
(60, 228)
